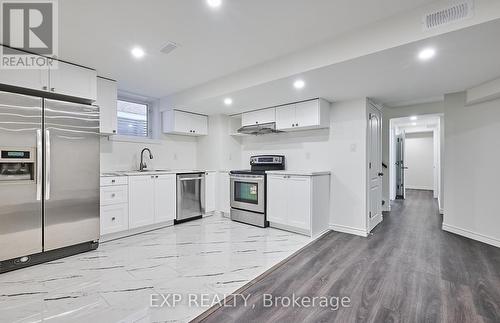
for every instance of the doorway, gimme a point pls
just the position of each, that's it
(415, 155)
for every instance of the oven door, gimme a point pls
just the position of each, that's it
(248, 193)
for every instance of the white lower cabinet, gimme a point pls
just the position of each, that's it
(131, 204)
(114, 218)
(165, 198)
(224, 192)
(299, 203)
(152, 199)
(114, 205)
(210, 191)
(141, 201)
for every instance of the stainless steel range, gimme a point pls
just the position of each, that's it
(248, 190)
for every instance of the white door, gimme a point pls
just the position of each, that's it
(285, 117)
(72, 80)
(307, 114)
(299, 202)
(277, 199)
(374, 166)
(165, 198)
(141, 201)
(210, 186)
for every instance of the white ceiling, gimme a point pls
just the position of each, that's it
(465, 58)
(213, 43)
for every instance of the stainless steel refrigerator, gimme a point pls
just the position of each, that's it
(49, 179)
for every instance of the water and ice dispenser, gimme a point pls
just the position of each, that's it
(17, 164)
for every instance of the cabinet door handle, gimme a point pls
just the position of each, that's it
(52, 89)
(44, 88)
(113, 195)
(113, 181)
(113, 218)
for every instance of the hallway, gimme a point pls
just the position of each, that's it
(408, 270)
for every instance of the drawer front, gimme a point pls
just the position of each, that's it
(114, 195)
(114, 218)
(113, 181)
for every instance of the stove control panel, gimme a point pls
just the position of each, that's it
(267, 160)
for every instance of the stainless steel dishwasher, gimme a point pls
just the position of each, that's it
(190, 197)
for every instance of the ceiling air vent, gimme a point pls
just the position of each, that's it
(458, 11)
(169, 47)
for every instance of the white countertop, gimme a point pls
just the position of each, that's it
(298, 172)
(153, 172)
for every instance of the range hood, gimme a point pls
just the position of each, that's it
(259, 129)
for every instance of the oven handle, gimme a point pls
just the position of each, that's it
(254, 177)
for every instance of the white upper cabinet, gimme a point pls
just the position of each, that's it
(34, 79)
(73, 80)
(184, 123)
(312, 114)
(107, 97)
(65, 79)
(258, 117)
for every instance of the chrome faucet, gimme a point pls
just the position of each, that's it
(143, 165)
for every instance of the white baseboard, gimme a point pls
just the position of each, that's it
(472, 235)
(135, 231)
(349, 230)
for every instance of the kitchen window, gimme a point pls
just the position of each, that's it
(133, 119)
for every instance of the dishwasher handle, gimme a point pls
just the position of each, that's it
(191, 179)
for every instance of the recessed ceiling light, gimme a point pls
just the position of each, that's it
(426, 54)
(228, 101)
(414, 118)
(214, 3)
(138, 52)
(414, 124)
(299, 84)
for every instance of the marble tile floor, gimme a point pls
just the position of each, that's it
(213, 257)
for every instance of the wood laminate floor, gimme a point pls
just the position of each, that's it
(408, 271)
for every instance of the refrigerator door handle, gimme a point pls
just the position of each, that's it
(47, 164)
(38, 164)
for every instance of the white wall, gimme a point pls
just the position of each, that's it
(169, 151)
(419, 158)
(341, 150)
(219, 150)
(471, 169)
